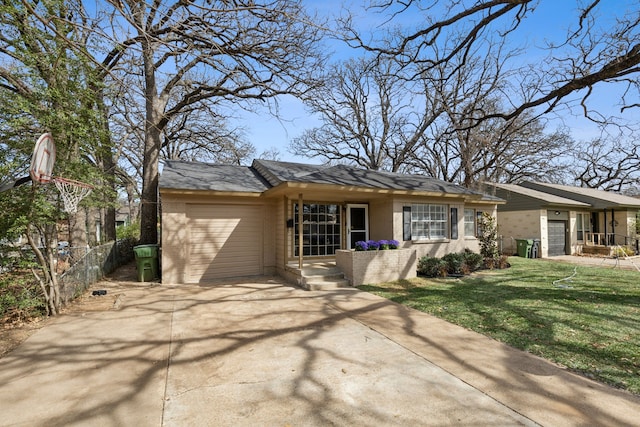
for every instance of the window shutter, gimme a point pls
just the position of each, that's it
(454, 223)
(406, 223)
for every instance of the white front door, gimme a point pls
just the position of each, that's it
(357, 224)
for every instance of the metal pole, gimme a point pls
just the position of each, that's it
(300, 231)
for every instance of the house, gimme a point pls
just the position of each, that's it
(566, 220)
(273, 217)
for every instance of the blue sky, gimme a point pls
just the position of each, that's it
(547, 23)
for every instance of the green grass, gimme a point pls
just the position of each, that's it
(589, 323)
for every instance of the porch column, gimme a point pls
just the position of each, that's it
(300, 234)
(613, 225)
(606, 238)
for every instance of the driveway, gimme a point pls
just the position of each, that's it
(261, 352)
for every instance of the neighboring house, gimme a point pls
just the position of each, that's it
(566, 220)
(222, 221)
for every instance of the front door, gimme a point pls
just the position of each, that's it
(357, 224)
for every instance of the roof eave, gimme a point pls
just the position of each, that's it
(289, 185)
(194, 192)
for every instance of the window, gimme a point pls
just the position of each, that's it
(469, 223)
(320, 229)
(428, 221)
(583, 225)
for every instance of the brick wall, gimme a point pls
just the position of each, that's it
(364, 267)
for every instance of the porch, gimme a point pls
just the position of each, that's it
(606, 243)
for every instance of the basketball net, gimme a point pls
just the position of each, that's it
(72, 192)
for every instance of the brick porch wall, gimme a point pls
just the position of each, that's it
(361, 267)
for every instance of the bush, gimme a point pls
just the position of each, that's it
(20, 297)
(496, 263)
(458, 264)
(472, 260)
(454, 263)
(623, 251)
(131, 231)
(432, 267)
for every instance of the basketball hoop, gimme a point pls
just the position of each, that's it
(43, 159)
(72, 192)
(41, 171)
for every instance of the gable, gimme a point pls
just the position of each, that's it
(521, 198)
(597, 199)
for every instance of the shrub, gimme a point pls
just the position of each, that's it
(432, 267)
(131, 231)
(454, 263)
(472, 260)
(20, 297)
(458, 264)
(623, 251)
(488, 237)
(497, 263)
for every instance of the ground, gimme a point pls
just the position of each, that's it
(13, 334)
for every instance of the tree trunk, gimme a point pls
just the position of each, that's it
(78, 229)
(149, 197)
(154, 107)
(150, 171)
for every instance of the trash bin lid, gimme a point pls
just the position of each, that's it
(146, 251)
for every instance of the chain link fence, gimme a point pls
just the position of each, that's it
(91, 264)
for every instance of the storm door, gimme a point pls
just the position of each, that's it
(357, 224)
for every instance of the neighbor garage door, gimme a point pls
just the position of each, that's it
(557, 237)
(224, 241)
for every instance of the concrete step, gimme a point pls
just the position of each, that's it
(325, 285)
(324, 278)
(311, 271)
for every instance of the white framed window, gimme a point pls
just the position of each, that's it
(429, 222)
(583, 224)
(469, 222)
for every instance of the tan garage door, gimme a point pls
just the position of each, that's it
(224, 241)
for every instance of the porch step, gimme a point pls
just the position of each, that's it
(325, 285)
(322, 276)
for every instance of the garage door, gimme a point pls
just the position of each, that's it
(224, 241)
(557, 237)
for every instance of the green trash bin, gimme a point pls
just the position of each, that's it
(524, 247)
(146, 262)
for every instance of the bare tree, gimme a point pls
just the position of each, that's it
(382, 115)
(591, 54)
(236, 51)
(608, 165)
(372, 115)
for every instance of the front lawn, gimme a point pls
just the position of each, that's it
(589, 323)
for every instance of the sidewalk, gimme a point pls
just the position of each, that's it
(624, 263)
(264, 353)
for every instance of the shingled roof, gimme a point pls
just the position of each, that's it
(181, 175)
(512, 191)
(265, 174)
(598, 199)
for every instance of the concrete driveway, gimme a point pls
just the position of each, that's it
(260, 352)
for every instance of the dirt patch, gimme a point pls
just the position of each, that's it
(115, 285)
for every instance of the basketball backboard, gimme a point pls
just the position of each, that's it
(43, 159)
